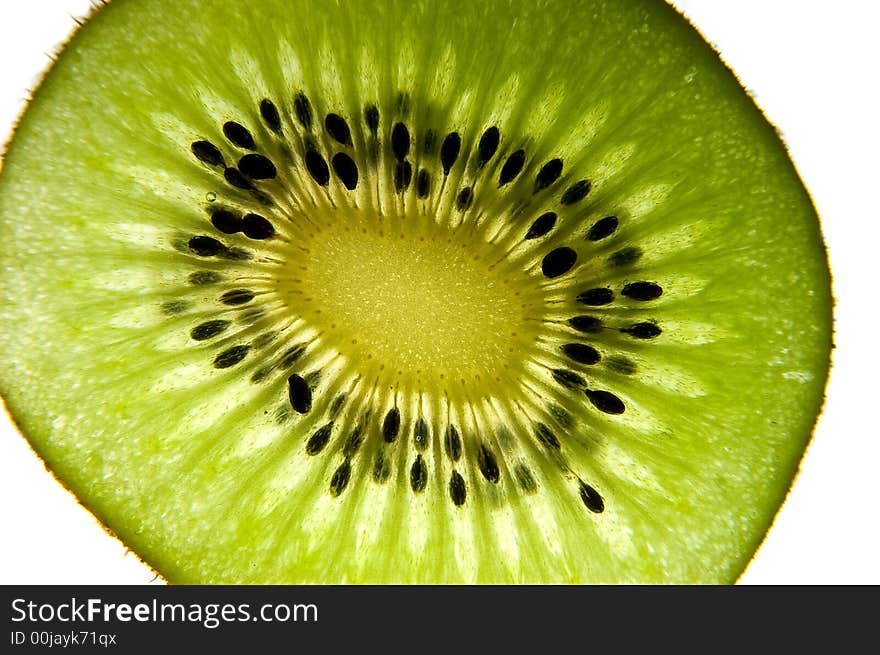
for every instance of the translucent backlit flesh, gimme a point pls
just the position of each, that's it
(443, 303)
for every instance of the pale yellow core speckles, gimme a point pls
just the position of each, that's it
(415, 300)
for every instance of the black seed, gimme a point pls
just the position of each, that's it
(423, 183)
(238, 134)
(418, 475)
(420, 434)
(548, 174)
(605, 401)
(236, 179)
(546, 436)
(602, 228)
(402, 176)
(231, 357)
(581, 353)
(568, 379)
(449, 151)
(576, 192)
(205, 246)
(269, 112)
(457, 489)
(346, 170)
(465, 196)
(173, 307)
(452, 442)
(303, 109)
(237, 297)
(621, 365)
(558, 262)
(525, 478)
(340, 478)
(642, 291)
(512, 167)
(204, 278)
(318, 440)
(391, 425)
(255, 226)
(488, 146)
(596, 297)
(371, 117)
(257, 167)
(400, 141)
(354, 441)
(207, 153)
(381, 470)
(586, 324)
(591, 498)
(291, 356)
(300, 394)
(488, 465)
(208, 329)
(317, 167)
(643, 330)
(338, 128)
(625, 257)
(542, 225)
(226, 221)
(430, 142)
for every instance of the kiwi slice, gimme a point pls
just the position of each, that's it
(411, 292)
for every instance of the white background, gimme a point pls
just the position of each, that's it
(812, 65)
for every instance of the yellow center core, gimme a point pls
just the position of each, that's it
(418, 300)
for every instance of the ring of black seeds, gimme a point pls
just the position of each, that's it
(544, 204)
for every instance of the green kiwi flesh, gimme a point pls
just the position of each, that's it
(411, 292)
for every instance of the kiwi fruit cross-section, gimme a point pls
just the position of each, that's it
(411, 292)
